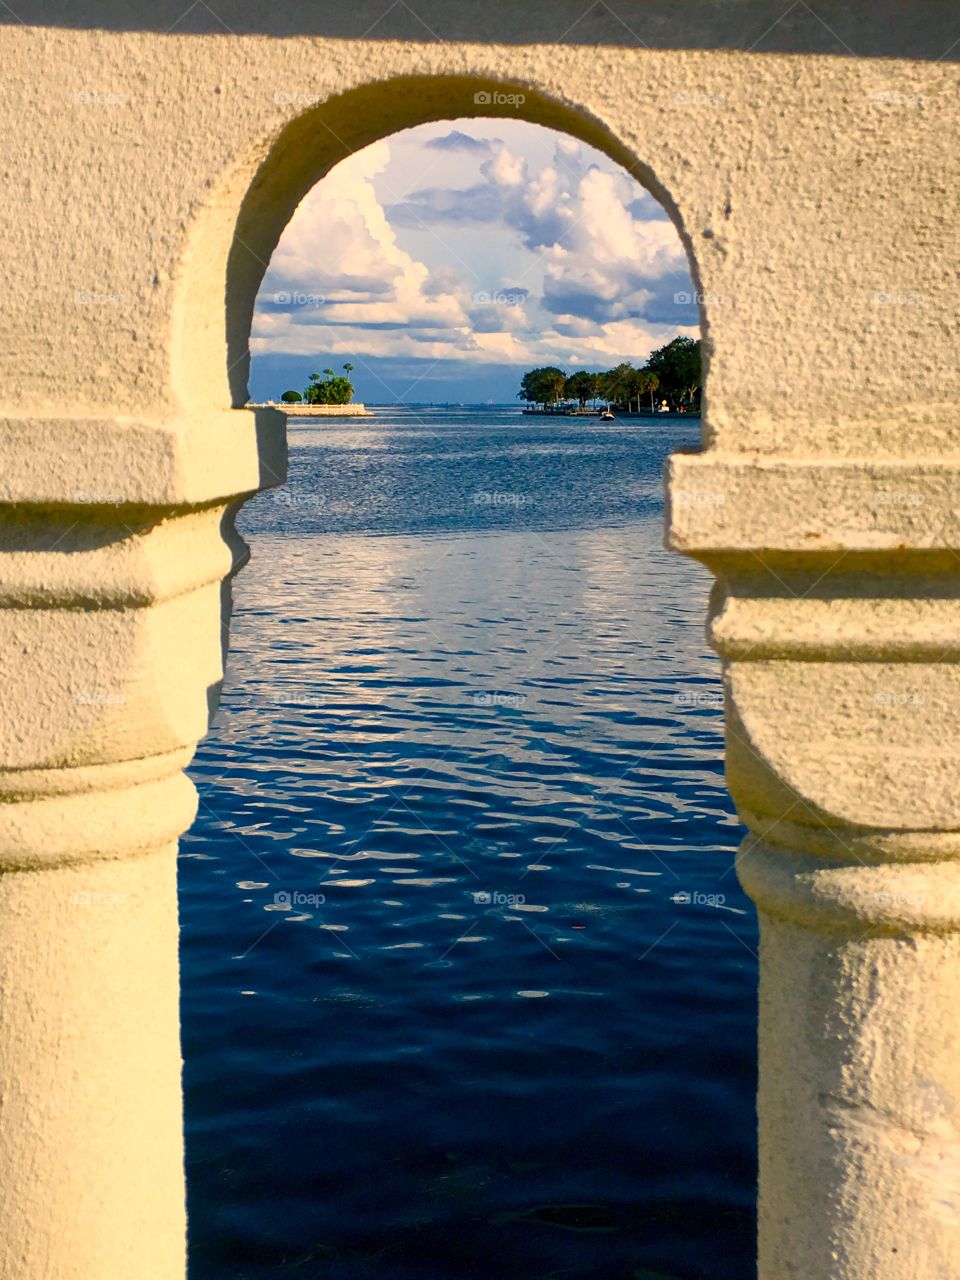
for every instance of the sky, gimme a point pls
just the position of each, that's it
(444, 261)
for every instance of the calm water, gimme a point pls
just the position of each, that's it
(468, 979)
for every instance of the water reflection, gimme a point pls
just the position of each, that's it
(465, 789)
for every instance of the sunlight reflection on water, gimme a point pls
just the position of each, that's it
(466, 786)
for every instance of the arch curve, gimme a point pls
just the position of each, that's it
(240, 224)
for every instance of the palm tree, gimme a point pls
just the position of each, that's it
(349, 368)
(650, 383)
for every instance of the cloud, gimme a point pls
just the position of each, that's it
(505, 169)
(576, 327)
(442, 280)
(457, 141)
(347, 279)
(370, 267)
(434, 205)
(646, 209)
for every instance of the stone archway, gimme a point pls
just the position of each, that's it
(238, 229)
(823, 502)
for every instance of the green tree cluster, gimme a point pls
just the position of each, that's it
(543, 386)
(672, 373)
(325, 388)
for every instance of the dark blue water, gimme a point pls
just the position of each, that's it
(468, 979)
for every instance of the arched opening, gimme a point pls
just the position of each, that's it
(234, 235)
(466, 791)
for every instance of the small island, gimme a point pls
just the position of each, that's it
(327, 395)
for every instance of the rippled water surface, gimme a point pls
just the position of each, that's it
(468, 978)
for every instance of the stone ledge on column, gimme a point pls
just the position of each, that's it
(113, 558)
(862, 745)
(837, 613)
(116, 461)
(55, 817)
(114, 604)
(117, 547)
(735, 503)
(92, 686)
(848, 895)
(864, 845)
(748, 622)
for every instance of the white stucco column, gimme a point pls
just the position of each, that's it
(859, 1067)
(843, 729)
(91, 1160)
(113, 567)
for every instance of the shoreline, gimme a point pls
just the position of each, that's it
(618, 415)
(315, 410)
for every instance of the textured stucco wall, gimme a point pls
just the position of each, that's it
(147, 174)
(808, 189)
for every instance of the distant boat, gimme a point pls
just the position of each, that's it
(607, 416)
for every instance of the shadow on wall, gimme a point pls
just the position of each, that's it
(863, 28)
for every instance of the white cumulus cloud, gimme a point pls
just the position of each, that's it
(510, 249)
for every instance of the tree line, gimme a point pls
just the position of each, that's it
(672, 373)
(328, 388)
